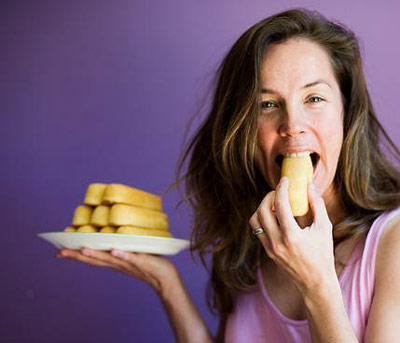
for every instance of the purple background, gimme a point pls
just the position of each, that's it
(102, 91)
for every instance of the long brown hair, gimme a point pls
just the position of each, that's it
(222, 182)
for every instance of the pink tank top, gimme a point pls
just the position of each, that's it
(256, 318)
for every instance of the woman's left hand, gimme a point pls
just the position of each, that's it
(306, 255)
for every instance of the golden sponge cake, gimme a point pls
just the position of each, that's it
(108, 229)
(100, 216)
(87, 229)
(121, 215)
(82, 215)
(70, 229)
(117, 208)
(94, 194)
(120, 194)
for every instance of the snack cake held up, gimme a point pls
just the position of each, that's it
(299, 170)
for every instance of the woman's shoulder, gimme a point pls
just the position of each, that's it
(388, 249)
(391, 222)
(386, 302)
(382, 225)
(391, 229)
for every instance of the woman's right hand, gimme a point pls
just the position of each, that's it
(155, 270)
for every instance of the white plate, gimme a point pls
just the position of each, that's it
(108, 241)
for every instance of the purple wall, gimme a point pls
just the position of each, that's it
(101, 91)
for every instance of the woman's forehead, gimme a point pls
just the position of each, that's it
(296, 62)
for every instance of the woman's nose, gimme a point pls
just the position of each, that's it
(292, 126)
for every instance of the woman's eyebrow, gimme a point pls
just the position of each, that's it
(308, 85)
(322, 81)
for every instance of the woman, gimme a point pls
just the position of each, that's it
(291, 83)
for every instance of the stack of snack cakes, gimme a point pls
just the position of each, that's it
(117, 208)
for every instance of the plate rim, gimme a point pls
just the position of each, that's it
(172, 246)
(119, 235)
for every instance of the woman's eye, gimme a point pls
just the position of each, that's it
(267, 104)
(315, 99)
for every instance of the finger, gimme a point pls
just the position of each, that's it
(265, 241)
(134, 258)
(268, 221)
(91, 257)
(266, 202)
(255, 223)
(317, 205)
(137, 260)
(76, 255)
(282, 206)
(140, 261)
(113, 261)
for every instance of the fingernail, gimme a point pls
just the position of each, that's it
(86, 252)
(117, 253)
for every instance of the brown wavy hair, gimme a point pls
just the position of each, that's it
(222, 182)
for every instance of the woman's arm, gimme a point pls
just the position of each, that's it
(163, 277)
(183, 316)
(307, 256)
(327, 316)
(384, 317)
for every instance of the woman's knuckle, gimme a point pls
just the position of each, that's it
(278, 205)
(289, 240)
(271, 196)
(252, 220)
(260, 216)
(276, 248)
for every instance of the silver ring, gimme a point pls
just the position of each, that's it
(258, 231)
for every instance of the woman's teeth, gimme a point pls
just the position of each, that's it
(297, 154)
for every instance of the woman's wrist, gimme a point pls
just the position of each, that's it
(329, 288)
(168, 287)
(183, 316)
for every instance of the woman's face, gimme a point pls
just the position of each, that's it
(301, 110)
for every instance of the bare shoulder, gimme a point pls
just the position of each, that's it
(388, 252)
(384, 319)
